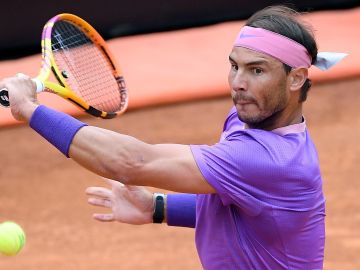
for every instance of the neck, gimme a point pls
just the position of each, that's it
(279, 119)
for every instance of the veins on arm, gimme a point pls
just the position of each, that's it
(133, 162)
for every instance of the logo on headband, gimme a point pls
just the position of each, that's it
(243, 35)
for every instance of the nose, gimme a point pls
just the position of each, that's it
(238, 81)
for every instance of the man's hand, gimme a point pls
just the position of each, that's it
(129, 204)
(22, 96)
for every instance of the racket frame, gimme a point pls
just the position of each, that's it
(48, 66)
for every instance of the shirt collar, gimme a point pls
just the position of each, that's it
(282, 131)
(295, 128)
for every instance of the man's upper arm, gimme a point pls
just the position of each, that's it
(171, 167)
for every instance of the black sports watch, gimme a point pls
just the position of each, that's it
(159, 208)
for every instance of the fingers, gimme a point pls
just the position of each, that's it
(22, 75)
(38, 84)
(18, 76)
(99, 192)
(100, 202)
(102, 199)
(104, 217)
(102, 196)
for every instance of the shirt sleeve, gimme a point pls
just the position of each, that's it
(248, 171)
(181, 210)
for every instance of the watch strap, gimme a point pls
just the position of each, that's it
(159, 207)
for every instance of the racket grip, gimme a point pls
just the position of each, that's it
(4, 93)
(39, 85)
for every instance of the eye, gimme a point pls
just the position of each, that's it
(234, 67)
(258, 71)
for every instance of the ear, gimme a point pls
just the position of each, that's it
(297, 78)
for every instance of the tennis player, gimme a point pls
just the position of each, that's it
(255, 198)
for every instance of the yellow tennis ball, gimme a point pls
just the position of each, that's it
(12, 238)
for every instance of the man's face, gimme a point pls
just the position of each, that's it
(258, 85)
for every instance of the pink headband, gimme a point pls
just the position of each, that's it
(280, 47)
(284, 49)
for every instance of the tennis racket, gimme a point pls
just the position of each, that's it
(83, 67)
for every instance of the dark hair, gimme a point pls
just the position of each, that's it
(285, 21)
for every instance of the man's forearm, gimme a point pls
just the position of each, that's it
(121, 157)
(104, 152)
(107, 153)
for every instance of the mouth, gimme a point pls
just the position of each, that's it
(243, 102)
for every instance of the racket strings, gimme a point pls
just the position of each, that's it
(73, 41)
(87, 71)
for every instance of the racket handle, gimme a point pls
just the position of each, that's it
(39, 85)
(4, 94)
(4, 97)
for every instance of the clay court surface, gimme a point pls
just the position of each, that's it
(44, 192)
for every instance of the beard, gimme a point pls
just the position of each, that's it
(268, 111)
